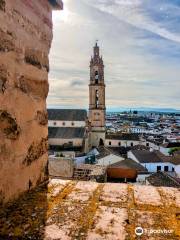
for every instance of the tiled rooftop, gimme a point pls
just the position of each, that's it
(163, 179)
(67, 114)
(88, 210)
(66, 132)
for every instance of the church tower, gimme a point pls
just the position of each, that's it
(97, 109)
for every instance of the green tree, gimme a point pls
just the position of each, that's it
(173, 150)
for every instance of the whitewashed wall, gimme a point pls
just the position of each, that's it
(108, 160)
(165, 151)
(115, 143)
(54, 123)
(152, 167)
(177, 170)
(153, 146)
(77, 142)
(142, 177)
(137, 130)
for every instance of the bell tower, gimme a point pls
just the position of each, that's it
(97, 107)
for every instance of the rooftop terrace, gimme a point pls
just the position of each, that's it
(65, 209)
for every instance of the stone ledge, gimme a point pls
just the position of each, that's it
(66, 210)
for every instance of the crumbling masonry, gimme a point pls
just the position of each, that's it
(25, 41)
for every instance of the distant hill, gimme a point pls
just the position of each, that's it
(143, 109)
(121, 109)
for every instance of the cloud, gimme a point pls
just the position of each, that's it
(132, 12)
(140, 47)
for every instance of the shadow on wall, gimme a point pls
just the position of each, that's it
(25, 218)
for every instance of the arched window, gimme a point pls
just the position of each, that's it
(96, 77)
(63, 123)
(109, 143)
(97, 98)
(101, 142)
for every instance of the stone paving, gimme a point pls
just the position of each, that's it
(70, 210)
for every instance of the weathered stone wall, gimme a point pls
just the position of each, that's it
(25, 40)
(61, 167)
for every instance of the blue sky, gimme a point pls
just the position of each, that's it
(140, 44)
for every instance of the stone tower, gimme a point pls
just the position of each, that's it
(97, 107)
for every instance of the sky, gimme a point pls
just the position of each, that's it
(140, 44)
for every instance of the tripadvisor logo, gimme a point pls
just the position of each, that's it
(139, 231)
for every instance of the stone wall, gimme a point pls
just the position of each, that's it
(25, 40)
(61, 167)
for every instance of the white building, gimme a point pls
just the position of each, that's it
(122, 140)
(109, 159)
(155, 161)
(138, 129)
(67, 129)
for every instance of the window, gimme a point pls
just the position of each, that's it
(147, 144)
(132, 144)
(63, 123)
(54, 123)
(119, 143)
(158, 168)
(172, 169)
(72, 123)
(97, 98)
(96, 77)
(166, 168)
(109, 143)
(70, 144)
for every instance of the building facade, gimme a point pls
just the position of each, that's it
(67, 129)
(97, 108)
(155, 161)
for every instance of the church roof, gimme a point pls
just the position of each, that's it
(67, 114)
(66, 132)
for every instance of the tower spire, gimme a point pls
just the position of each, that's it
(96, 50)
(96, 45)
(97, 106)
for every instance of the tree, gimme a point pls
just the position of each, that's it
(173, 150)
(135, 112)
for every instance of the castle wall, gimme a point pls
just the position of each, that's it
(25, 40)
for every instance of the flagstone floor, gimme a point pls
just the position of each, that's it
(64, 209)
